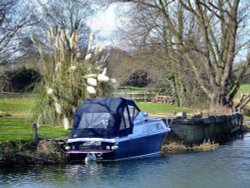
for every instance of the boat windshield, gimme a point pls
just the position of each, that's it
(95, 120)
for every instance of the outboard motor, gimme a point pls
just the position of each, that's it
(90, 157)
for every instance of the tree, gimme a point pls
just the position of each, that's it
(70, 16)
(199, 38)
(14, 19)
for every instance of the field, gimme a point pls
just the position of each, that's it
(16, 123)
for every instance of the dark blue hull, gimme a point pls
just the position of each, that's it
(127, 149)
(135, 148)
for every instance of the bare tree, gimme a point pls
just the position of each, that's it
(14, 19)
(70, 16)
(199, 38)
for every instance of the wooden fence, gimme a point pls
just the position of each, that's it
(144, 96)
(137, 96)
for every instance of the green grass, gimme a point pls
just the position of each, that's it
(18, 127)
(131, 89)
(12, 105)
(244, 89)
(156, 108)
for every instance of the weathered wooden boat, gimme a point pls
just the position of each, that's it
(213, 128)
(114, 129)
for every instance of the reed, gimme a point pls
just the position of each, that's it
(176, 146)
(207, 145)
(69, 77)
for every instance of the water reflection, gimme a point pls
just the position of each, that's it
(226, 167)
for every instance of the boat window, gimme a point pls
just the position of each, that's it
(125, 120)
(94, 120)
(126, 117)
(123, 124)
(133, 112)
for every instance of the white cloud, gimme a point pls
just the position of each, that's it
(104, 20)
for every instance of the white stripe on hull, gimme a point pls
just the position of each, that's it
(72, 140)
(114, 140)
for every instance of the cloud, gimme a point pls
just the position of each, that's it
(104, 20)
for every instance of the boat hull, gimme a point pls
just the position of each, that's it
(138, 147)
(128, 148)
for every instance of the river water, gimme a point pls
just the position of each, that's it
(226, 167)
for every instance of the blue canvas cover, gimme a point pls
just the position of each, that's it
(102, 117)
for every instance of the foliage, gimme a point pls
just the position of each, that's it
(139, 78)
(164, 88)
(22, 80)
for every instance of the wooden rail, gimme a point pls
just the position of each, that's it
(137, 96)
(145, 97)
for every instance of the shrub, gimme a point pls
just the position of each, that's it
(22, 80)
(139, 78)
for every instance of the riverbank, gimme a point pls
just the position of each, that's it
(16, 137)
(17, 144)
(30, 153)
(51, 152)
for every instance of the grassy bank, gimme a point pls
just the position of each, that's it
(18, 126)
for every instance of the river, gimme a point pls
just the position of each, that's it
(226, 167)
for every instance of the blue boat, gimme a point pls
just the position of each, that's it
(109, 129)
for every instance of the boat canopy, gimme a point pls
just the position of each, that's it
(105, 118)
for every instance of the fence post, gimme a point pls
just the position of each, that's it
(35, 132)
(1, 152)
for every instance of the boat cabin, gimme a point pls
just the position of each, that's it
(104, 118)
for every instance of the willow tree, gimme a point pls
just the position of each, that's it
(201, 37)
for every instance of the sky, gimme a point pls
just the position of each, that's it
(104, 24)
(107, 21)
(104, 20)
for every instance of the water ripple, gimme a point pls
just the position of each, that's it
(228, 166)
